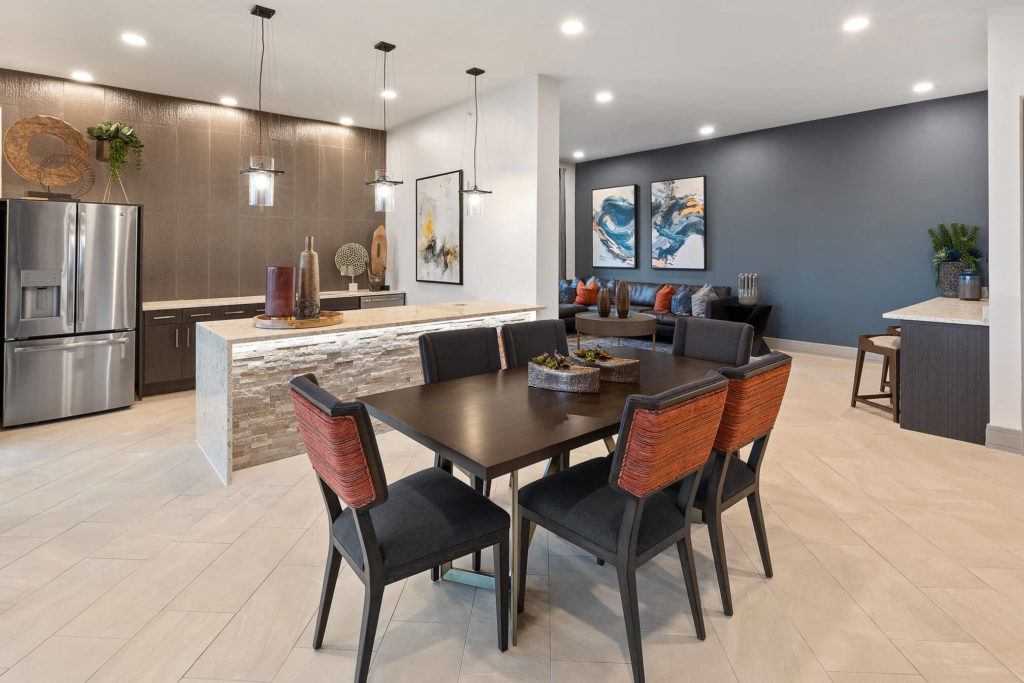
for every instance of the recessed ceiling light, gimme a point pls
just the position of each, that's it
(346, 121)
(388, 94)
(229, 101)
(854, 24)
(924, 86)
(572, 27)
(83, 76)
(133, 39)
(604, 96)
(707, 130)
(578, 154)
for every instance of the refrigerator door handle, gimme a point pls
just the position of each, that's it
(76, 345)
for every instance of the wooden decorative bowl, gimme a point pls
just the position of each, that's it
(619, 370)
(326, 319)
(577, 379)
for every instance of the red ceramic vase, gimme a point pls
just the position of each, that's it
(280, 291)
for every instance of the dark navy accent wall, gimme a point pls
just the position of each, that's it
(832, 213)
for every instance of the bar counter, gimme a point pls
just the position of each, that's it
(944, 367)
(243, 411)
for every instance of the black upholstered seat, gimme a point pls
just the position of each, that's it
(426, 513)
(459, 353)
(738, 477)
(523, 341)
(708, 339)
(580, 499)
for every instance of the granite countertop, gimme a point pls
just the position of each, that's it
(242, 331)
(258, 299)
(943, 310)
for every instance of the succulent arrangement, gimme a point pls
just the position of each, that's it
(554, 361)
(955, 243)
(122, 140)
(592, 355)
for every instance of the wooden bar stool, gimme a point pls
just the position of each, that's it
(887, 346)
(893, 330)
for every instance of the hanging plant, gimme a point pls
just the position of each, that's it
(122, 140)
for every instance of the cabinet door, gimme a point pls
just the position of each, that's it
(188, 353)
(161, 353)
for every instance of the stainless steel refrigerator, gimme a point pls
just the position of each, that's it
(69, 308)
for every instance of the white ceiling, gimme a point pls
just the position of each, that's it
(673, 65)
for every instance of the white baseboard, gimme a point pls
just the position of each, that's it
(1004, 438)
(814, 348)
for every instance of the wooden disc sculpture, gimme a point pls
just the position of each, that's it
(351, 259)
(21, 132)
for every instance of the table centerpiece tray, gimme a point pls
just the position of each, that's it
(326, 319)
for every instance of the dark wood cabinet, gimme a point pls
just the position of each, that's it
(168, 339)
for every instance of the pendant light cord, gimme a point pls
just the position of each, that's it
(476, 125)
(259, 97)
(385, 86)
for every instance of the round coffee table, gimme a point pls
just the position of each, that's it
(634, 325)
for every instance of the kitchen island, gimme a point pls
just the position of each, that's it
(944, 367)
(244, 414)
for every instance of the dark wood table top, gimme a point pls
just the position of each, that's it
(493, 424)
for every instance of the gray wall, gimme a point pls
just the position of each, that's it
(832, 213)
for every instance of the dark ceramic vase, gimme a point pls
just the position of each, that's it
(622, 299)
(949, 278)
(604, 302)
(280, 291)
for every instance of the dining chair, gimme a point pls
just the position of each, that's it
(523, 341)
(452, 354)
(754, 398)
(387, 533)
(709, 339)
(618, 509)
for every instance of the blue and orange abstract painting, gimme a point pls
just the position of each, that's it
(615, 227)
(678, 224)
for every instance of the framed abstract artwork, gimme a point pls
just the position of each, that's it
(679, 226)
(614, 224)
(439, 228)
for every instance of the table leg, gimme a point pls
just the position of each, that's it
(514, 602)
(609, 443)
(654, 342)
(577, 340)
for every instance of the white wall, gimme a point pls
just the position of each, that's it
(502, 255)
(570, 218)
(1005, 90)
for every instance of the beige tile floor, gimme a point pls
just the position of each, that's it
(898, 557)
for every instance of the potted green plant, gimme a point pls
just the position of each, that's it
(114, 142)
(954, 250)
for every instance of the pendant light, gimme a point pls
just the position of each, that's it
(261, 169)
(383, 185)
(473, 195)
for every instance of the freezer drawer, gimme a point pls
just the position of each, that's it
(107, 250)
(45, 379)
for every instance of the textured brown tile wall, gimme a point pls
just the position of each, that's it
(201, 238)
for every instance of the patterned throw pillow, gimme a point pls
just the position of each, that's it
(681, 301)
(700, 300)
(567, 291)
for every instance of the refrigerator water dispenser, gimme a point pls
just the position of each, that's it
(40, 294)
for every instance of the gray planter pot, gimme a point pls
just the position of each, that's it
(949, 278)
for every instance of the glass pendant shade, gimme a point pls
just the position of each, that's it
(261, 174)
(474, 200)
(383, 191)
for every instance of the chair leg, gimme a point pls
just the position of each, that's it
(326, 595)
(371, 613)
(631, 613)
(856, 377)
(445, 465)
(685, 548)
(525, 529)
(885, 373)
(502, 590)
(717, 534)
(757, 516)
(479, 485)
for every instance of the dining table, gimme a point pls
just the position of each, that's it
(494, 424)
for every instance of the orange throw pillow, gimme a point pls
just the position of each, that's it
(663, 299)
(586, 295)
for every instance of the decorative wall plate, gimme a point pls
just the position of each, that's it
(22, 131)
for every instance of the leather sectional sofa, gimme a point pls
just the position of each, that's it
(641, 300)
